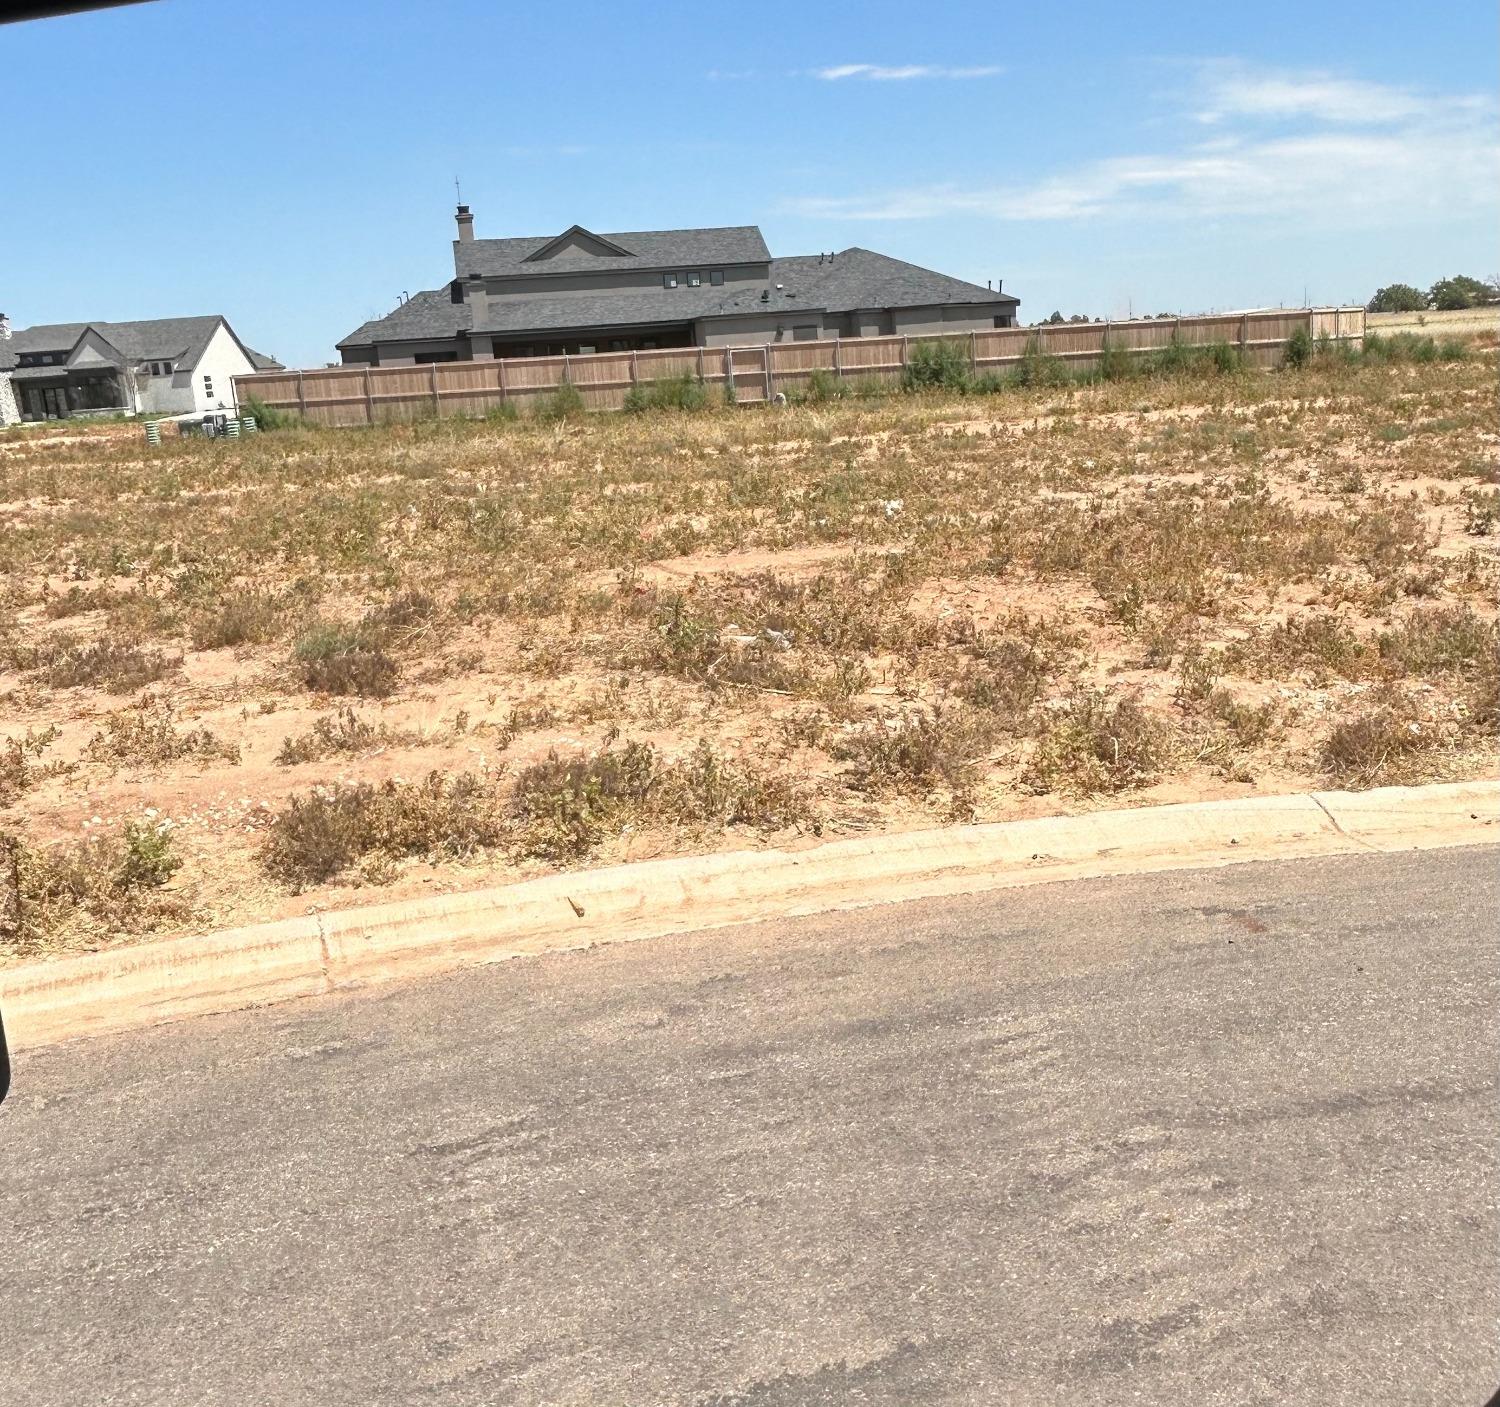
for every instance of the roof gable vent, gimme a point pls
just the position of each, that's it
(576, 239)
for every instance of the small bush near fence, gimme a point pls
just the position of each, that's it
(562, 404)
(936, 365)
(1412, 347)
(685, 392)
(267, 418)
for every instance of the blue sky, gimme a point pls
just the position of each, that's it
(291, 164)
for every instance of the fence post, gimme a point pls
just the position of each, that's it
(635, 370)
(1244, 335)
(903, 357)
(369, 397)
(500, 364)
(301, 396)
(700, 363)
(437, 405)
(770, 384)
(973, 354)
(733, 392)
(565, 367)
(838, 361)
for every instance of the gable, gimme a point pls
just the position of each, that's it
(578, 240)
(93, 350)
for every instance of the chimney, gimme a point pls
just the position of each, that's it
(477, 296)
(465, 225)
(999, 285)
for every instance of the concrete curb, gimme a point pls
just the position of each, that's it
(154, 982)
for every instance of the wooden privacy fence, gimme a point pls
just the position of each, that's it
(366, 395)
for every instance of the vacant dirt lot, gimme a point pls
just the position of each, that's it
(1461, 322)
(240, 680)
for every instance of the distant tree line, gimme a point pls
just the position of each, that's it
(1057, 317)
(1446, 294)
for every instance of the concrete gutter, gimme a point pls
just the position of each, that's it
(46, 1002)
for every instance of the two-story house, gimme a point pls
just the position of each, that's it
(579, 292)
(163, 366)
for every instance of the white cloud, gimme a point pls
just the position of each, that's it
(1232, 90)
(1325, 161)
(880, 73)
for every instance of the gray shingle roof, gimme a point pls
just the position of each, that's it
(854, 278)
(178, 340)
(649, 249)
(432, 314)
(861, 278)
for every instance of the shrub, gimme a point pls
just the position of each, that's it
(563, 403)
(323, 833)
(1115, 364)
(112, 665)
(406, 614)
(1321, 643)
(342, 734)
(344, 659)
(1442, 639)
(1411, 347)
(1299, 348)
(1179, 358)
(685, 392)
(1007, 681)
(682, 641)
(146, 736)
(1100, 744)
(1381, 744)
(913, 752)
(268, 419)
(21, 767)
(113, 881)
(1039, 368)
(822, 386)
(706, 787)
(937, 363)
(564, 808)
(248, 617)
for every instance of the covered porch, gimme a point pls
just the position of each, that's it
(57, 392)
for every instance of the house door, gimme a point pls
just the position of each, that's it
(47, 402)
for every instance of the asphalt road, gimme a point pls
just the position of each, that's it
(1213, 1137)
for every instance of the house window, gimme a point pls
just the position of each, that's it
(669, 280)
(208, 385)
(804, 334)
(716, 277)
(695, 279)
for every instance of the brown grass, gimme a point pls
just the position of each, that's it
(608, 637)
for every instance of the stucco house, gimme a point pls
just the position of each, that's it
(579, 292)
(162, 366)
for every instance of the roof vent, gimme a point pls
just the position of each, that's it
(765, 295)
